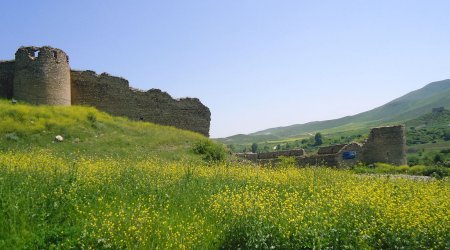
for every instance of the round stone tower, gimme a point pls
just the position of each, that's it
(42, 76)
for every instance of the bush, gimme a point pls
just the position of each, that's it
(212, 152)
(12, 136)
(413, 160)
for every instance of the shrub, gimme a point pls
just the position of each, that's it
(12, 136)
(91, 117)
(413, 160)
(212, 152)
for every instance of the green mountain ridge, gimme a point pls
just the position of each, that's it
(404, 108)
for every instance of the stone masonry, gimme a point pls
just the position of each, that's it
(42, 75)
(385, 144)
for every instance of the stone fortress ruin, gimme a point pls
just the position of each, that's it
(42, 75)
(385, 144)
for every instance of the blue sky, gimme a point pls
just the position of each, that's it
(255, 64)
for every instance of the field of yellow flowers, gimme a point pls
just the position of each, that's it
(47, 201)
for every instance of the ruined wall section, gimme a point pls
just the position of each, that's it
(159, 107)
(386, 144)
(352, 147)
(114, 95)
(107, 93)
(333, 149)
(42, 76)
(276, 154)
(318, 160)
(6, 79)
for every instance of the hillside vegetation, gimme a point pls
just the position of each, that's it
(88, 131)
(407, 107)
(117, 184)
(47, 202)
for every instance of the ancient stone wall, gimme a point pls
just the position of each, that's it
(314, 160)
(276, 154)
(353, 147)
(249, 156)
(6, 79)
(114, 95)
(42, 76)
(333, 149)
(386, 144)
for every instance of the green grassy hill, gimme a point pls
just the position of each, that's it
(409, 106)
(88, 131)
(432, 119)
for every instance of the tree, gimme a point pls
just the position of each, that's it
(254, 147)
(447, 135)
(437, 158)
(318, 139)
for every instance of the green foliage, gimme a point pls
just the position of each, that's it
(420, 170)
(254, 147)
(252, 233)
(318, 139)
(447, 135)
(416, 105)
(51, 202)
(211, 151)
(437, 159)
(90, 132)
(12, 136)
(119, 184)
(286, 162)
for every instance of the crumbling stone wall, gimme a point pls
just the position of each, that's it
(352, 147)
(270, 158)
(276, 154)
(42, 76)
(249, 156)
(386, 144)
(333, 149)
(327, 160)
(114, 95)
(6, 79)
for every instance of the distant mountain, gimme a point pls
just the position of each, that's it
(407, 107)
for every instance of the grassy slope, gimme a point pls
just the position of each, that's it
(90, 132)
(407, 107)
(436, 119)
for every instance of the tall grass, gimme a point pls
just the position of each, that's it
(90, 132)
(384, 168)
(104, 203)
